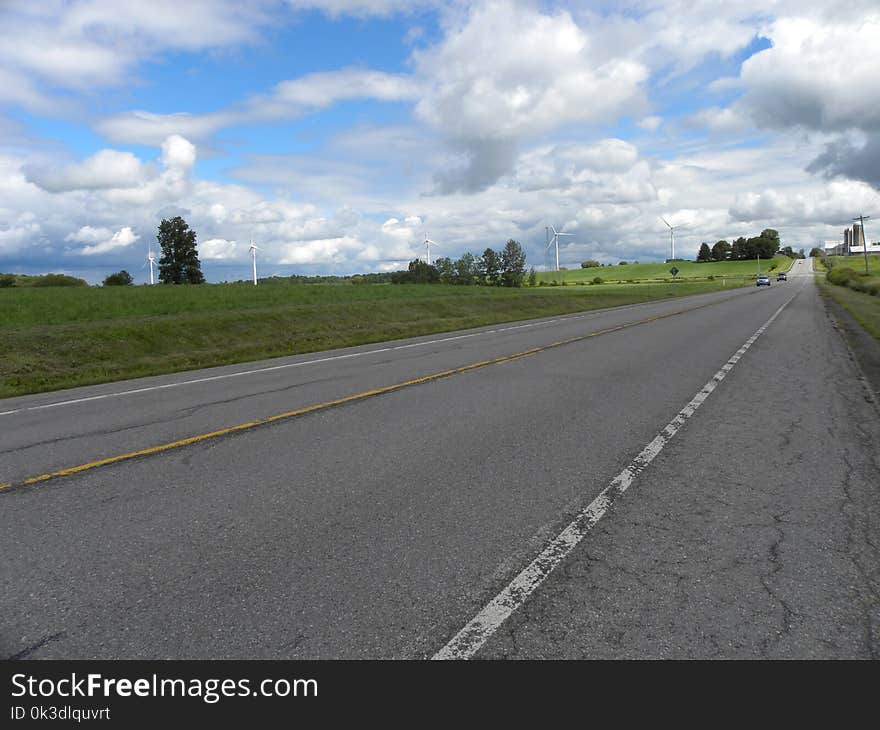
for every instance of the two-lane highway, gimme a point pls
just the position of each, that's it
(380, 527)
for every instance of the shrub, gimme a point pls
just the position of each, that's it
(7, 280)
(590, 264)
(120, 278)
(841, 275)
(597, 280)
(58, 280)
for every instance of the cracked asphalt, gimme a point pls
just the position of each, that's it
(753, 535)
(377, 529)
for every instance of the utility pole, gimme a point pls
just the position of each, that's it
(861, 219)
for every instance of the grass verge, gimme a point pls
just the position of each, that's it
(864, 308)
(659, 270)
(52, 339)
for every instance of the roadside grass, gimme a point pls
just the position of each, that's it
(660, 270)
(849, 273)
(856, 262)
(864, 308)
(61, 338)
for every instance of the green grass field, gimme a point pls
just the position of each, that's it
(661, 270)
(65, 337)
(863, 307)
(857, 263)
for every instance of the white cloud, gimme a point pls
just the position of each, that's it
(318, 90)
(716, 119)
(88, 234)
(85, 44)
(651, 123)
(833, 204)
(486, 90)
(123, 238)
(141, 127)
(288, 100)
(105, 169)
(818, 74)
(217, 249)
(320, 251)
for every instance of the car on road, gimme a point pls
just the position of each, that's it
(763, 280)
(781, 276)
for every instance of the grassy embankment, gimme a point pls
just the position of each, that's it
(635, 273)
(857, 263)
(65, 337)
(861, 304)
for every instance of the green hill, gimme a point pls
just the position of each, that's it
(661, 270)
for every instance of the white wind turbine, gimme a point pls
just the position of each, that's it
(554, 241)
(150, 260)
(671, 235)
(428, 244)
(253, 249)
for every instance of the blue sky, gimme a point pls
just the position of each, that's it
(336, 134)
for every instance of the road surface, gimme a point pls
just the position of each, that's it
(382, 524)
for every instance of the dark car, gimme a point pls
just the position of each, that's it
(763, 280)
(781, 276)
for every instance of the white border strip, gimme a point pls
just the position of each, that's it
(467, 642)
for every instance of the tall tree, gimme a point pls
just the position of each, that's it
(466, 270)
(721, 251)
(704, 254)
(513, 264)
(489, 268)
(740, 250)
(445, 269)
(180, 258)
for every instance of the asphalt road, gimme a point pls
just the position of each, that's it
(380, 527)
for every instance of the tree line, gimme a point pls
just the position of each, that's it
(766, 245)
(492, 268)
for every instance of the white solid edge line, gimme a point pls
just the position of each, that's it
(271, 368)
(481, 627)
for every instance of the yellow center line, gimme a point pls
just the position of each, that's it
(337, 402)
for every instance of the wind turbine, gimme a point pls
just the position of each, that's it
(554, 241)
(428, 244)
(253, 249)
(671, 235)
(151, 260)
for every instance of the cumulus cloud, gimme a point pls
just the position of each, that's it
(88, 234)
(607, 171)
(719, 119)
(818, 74)
(832, 205)
(90, 43)
(485, 91)
(320, 251)
(123, 238)
(852, 159)
(217, 249)
(105, 169)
